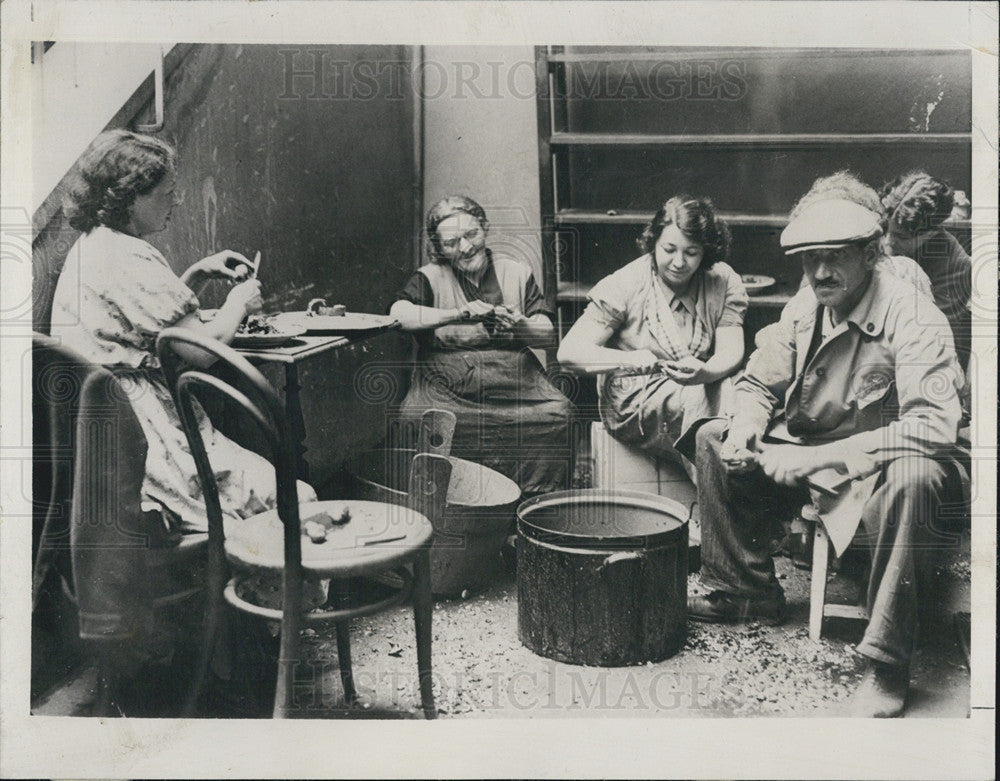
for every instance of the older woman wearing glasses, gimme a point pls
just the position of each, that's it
(474, 315)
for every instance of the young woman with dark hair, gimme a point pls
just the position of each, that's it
(664, 330)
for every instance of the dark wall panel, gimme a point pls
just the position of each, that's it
(286, 164)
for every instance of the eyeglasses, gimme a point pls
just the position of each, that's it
(453, 243)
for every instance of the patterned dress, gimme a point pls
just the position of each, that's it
(651, 412)
(114, 296)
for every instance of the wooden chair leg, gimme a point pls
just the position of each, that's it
(214, 615)
(343, 629)
(339, 599)
(105, 705)
(817, 587)
(288, 655)
(423, 607)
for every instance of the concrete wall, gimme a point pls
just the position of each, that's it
(480, 139)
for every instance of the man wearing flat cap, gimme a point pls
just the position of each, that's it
(850, 403)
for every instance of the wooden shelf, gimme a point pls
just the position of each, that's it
(576, 293)
(572, 292)
(759, 139)
(584, 177)
(626, 55)
(630, 217)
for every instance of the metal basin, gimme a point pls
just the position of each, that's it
(465, 554)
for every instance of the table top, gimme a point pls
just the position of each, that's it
(302, 347)
(295, 350)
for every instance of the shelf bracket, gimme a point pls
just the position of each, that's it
(157, 124)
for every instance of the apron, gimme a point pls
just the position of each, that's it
(509, 416)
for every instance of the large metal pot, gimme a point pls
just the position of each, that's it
(465, 555)
(602, 576)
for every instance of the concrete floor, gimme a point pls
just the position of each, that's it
(482, 671)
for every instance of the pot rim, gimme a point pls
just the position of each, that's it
(624, 497)
(352, 467)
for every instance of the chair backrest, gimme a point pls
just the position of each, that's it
(90, 461)
(57, 378)
(437, 430)
(262, 404)
(110, 535)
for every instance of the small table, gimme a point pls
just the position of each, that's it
(291, 355)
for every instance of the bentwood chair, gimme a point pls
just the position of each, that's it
(119, 566)
(58, 375)
(347, 540)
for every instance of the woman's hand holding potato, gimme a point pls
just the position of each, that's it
(227, 264)
(247, 295)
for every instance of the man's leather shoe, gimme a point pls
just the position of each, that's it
(721, 606)
(882, 693)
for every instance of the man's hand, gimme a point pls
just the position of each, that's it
(791, 464)
(738, 452)
(686, 371)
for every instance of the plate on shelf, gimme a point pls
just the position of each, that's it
(756, 283)
(333, 325)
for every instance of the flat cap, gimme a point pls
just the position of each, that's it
(828, 224)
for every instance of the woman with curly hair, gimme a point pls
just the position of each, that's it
(475, 314)
(117, 292)
(664, 330)
(916, 207)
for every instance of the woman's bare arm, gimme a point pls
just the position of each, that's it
(413, 317)
(728, 353)
(583, 350)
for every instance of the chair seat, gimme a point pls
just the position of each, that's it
(378, 536)
(357, 609)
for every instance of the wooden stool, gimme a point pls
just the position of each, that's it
(818, 609)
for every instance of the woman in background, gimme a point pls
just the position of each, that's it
(664, 331)
(916, 207)
(475, 314)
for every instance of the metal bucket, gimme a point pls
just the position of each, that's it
(465, 555)
(602, 576)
